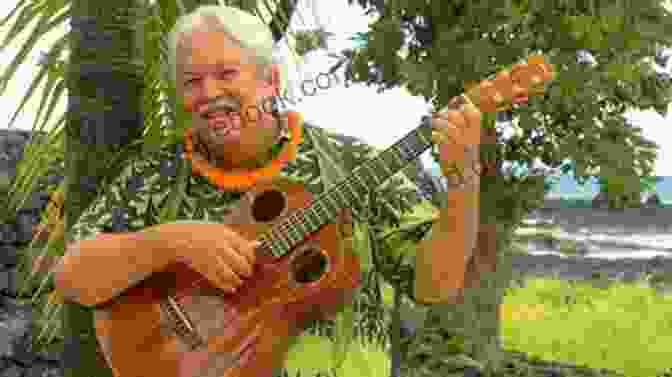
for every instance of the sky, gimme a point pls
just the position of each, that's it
(379, 119)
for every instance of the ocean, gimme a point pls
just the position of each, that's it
(567, 188)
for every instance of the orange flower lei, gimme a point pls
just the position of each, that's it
(241, 179)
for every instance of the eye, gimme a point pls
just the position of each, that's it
(192, 81)
(227, 74)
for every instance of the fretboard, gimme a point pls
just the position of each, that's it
(324, 208)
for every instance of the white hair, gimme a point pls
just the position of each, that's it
(248, 30)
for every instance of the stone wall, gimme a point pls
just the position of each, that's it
(16, 314)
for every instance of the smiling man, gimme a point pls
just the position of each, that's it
(224, 74)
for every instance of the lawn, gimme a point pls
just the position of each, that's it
(625, 328)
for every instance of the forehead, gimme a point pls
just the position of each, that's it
(205, 51)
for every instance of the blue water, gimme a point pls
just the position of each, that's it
(567, 187)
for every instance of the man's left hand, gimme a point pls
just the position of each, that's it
(457, 134)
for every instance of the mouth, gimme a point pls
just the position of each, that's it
(222, 119)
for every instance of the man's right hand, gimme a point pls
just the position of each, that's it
(216, 251)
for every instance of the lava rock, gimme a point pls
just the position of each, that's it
(9, 255)
(24, 225)
(7, 234)
(472, 372)
(13, 371)
(21, 352)
(16, 321)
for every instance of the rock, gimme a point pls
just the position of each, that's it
(24, 227)
(9, 255)
(8, 282)
(36, 371)
(21, 352)
(653, 201)
(7, 234)
(13, 371)
(472, 372)
(16, 359)
(16, 320)
(600, 201)
(11, 138)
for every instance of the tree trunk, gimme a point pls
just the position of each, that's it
(105, 85)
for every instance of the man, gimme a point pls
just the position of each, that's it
(222, 66)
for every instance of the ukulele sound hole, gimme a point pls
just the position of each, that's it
(309, 266)
(268, 205)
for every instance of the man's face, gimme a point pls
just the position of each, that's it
(222, 88)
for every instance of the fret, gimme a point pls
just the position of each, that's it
(274, 251)
(412, 145)
(284, 243)
(309, 215)
(293, 231)
(300, 224)
(404, 151)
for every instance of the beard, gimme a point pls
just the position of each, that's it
(249, 149)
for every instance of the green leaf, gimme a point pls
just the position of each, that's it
(359, 357)
(362, 244)
(171, 208)
(344, 325)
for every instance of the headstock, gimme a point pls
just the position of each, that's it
(512, 85)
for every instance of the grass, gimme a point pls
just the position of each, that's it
(626, 328)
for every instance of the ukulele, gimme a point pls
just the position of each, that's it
(175, 324)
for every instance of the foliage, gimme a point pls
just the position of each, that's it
(580, 117)
(605, 55)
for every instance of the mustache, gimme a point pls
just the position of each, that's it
(221, 104)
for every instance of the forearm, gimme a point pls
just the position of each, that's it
(459, 219)
(441, 260)
(96, 270)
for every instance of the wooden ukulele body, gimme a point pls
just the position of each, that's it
(225, 335)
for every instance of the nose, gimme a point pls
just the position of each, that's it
(210, 88)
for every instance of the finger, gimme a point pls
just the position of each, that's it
(456, 118)
(471, 113)
(219, 276)
(226, 273)
(244, 248)
(236, 261)
(447, 132)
